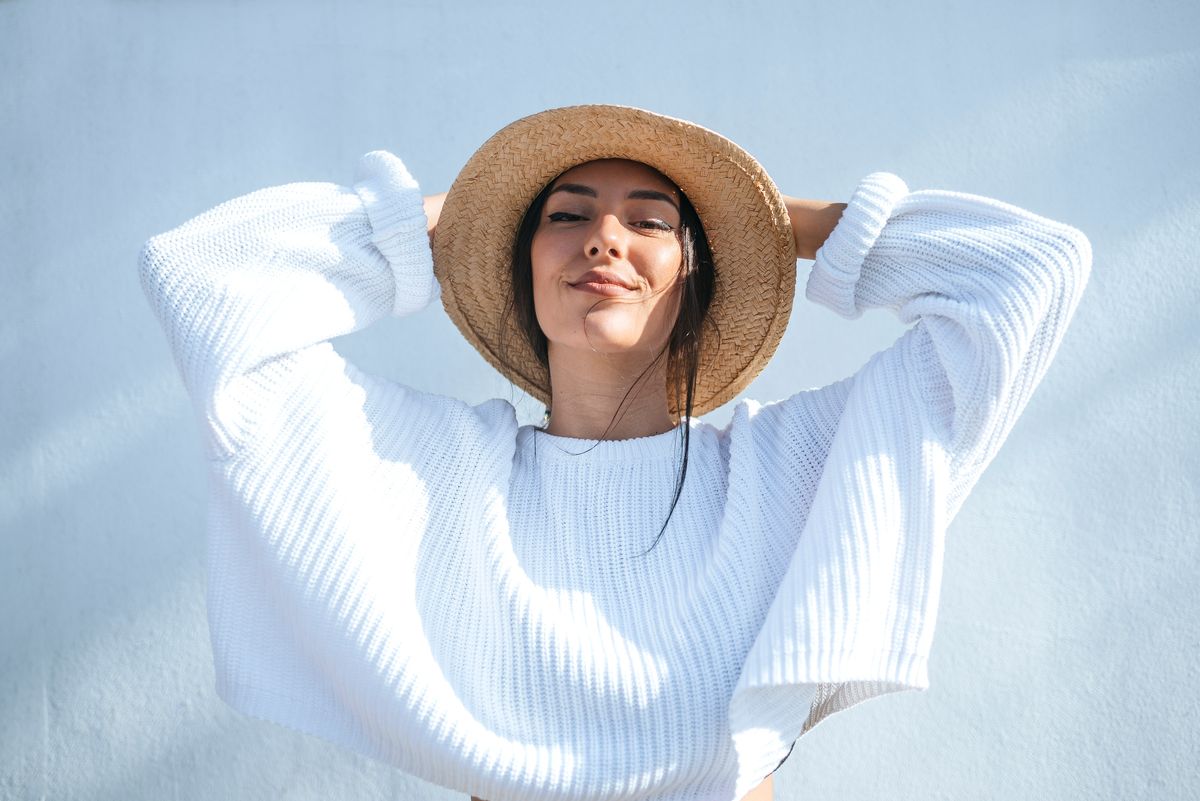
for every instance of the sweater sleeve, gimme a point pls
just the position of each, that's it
(252, 289)
(861, 479)
(991, 289)
(332, 493)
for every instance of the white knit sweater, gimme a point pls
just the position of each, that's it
(425, 582)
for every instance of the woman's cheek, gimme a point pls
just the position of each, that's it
(669, 313)
(544, 307)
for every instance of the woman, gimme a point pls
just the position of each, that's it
(624, 602)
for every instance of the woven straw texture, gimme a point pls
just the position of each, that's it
(742, 212)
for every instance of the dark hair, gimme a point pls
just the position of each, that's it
(685, 342)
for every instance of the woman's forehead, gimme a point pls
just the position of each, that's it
(624, 170)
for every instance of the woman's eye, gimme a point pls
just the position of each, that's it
(566, 216)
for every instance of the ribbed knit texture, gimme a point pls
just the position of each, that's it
(424, 581)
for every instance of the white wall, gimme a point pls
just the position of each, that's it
(1065, 660)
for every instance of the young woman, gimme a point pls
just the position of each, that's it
(624, 602)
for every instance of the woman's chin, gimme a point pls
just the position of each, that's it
(610, 333)
(617, 343)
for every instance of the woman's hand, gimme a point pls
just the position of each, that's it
(812, 223)
(433, 210)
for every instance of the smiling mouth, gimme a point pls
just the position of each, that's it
(598, 287)
(601, 282)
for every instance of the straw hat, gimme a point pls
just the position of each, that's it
(739, 206)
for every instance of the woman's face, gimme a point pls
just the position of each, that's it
(606, 259)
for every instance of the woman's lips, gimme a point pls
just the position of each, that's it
(603, 282)
(602, 288)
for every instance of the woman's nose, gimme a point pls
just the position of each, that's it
(608, 235)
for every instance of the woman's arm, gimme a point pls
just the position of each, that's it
(812, 223)
(248, 289)
(991, 288)
(867, 473)
(433, 212)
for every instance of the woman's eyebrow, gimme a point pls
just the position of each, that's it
(636, 194)
(652, 194)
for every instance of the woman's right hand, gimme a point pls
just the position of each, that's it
(433, 210)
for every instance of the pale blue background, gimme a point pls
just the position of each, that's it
(1065, 665)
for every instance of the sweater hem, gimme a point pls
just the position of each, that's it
(295, 713)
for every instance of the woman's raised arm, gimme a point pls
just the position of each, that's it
(991, 287)
(812, 223)
(433, 212)
(250, 291)
(869, 471)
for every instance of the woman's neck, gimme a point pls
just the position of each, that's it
(608, 396)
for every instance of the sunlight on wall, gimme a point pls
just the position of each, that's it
(64, 454)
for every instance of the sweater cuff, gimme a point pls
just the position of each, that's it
(399, 228)
(839, 261)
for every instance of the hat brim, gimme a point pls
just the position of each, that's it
(743, 214)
